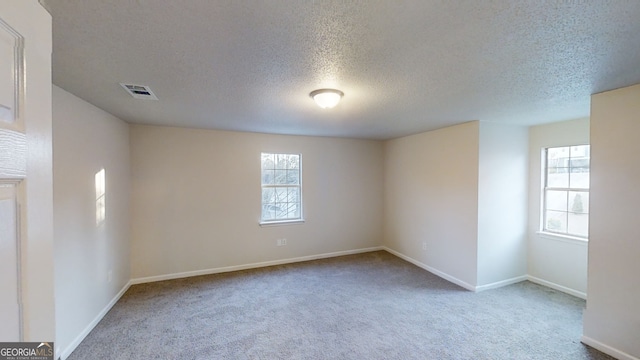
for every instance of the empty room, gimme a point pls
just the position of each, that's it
(320, 179)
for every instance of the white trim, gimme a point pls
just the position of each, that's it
(555, 286)
(499, 284)
(563, 238)
(277, 222)
(281, 222)
(586, 340)
(431, 269)
(618, 354)
(455, 280)
(74, 344)
(185, 274)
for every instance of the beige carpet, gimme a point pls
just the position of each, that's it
(368, 306)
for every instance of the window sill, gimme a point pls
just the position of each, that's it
(282, 222)
(563, 238)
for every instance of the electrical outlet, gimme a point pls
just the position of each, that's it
(109, 276)
(281, 242)
(424, 246)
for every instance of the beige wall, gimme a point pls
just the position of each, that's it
(431, 197)
(612, 319)
(196, 199)
(85, 140)
(431, 200)
(502, 204)
(555, 261)
(455, 202)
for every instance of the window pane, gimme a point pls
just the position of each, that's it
(268, 195)
(556, 200)
(581, 151)
(292, 211)
(556, 221)
(281, 176)
(294, 161)
(268, 177)
(558, 167)
(293, 177)
(268, 213)
(293, 195)
(280, 194)
(281, 161)
(268, 161)
(578, 224)
(558, 153)
(579, 202)
(268, 204)
(281, 211)
(579, 178)
(558, 177)
(579, 161)
(558, 157)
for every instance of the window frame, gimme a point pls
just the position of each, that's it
(281, 221)
(545, 188)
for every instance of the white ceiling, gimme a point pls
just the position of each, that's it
(404, 66)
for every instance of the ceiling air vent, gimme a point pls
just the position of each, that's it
(140, 92)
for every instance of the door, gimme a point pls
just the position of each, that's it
(13, 162)
(26, 164)
(9, 271)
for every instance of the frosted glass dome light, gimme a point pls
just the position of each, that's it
(326, 98)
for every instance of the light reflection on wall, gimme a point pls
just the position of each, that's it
(100, 197)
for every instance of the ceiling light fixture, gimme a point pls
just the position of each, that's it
(326, 98)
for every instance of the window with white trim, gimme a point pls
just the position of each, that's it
(566, 190)
(281, 187)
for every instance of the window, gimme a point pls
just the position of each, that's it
(281, 188)
(566, 190)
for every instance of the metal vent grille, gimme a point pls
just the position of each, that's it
(140, 92)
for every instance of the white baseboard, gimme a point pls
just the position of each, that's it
(555, 286)
(74, 344)
(620, 355)
(588, 341)
(499, 284)
(431, 270)
(186, 274)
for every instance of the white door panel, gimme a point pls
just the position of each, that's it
(13, 166)
(9, 274)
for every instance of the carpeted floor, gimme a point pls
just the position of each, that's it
(367, 306)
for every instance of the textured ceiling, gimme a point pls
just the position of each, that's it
(404, 66)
